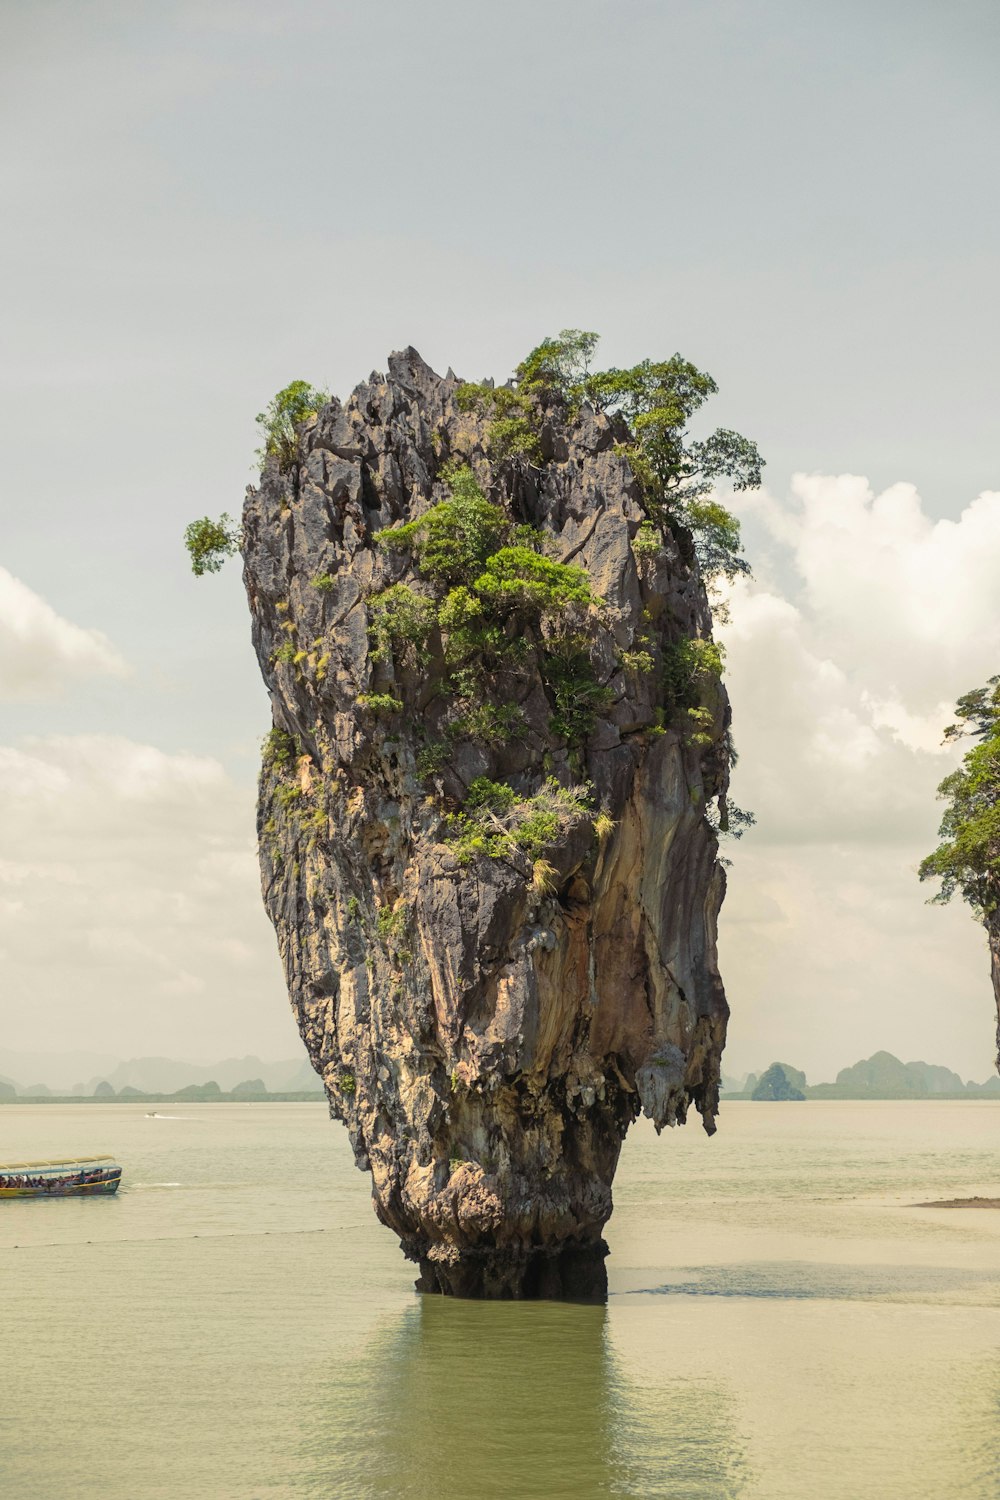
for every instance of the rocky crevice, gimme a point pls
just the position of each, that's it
(485, 1030)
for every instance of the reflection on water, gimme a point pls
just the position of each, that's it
(517, 1400)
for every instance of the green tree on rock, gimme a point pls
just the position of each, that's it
(281, 418)
(210, 542)
(657, 400)
(967, 860)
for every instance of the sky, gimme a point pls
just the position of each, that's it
(205, 202)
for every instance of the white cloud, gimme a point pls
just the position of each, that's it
(40, 652)
(843, 670)
(130, 911)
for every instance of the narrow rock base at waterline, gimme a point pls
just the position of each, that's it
(576, 1273)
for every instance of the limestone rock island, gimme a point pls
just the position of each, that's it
(488, 810)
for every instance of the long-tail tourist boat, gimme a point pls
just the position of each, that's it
(83, 1175)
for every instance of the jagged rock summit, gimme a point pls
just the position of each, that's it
(483, 818)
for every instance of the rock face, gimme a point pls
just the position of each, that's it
(486, 1026)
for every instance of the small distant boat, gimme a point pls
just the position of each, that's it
(84, 1175)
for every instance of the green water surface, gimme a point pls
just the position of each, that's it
(235, 1323)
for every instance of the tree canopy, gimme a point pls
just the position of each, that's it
(280, 419)
(968, 858)
(210, 542)
(657, 400)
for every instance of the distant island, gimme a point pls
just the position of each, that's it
(153, 1080)
(249, 1092)
(881, 1076)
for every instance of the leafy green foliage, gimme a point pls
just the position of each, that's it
(324, 582)
(454, 539)
(513, 428)
(579, 696)
(498, 822)
(497, 583)
(509, 436)
(637, 661)
(433, 757)
(518, 577)
(497, 796)
(210, 542)
(979, 712)
(489, 723)
(281, 418)
(401, 618)
(470, 630)
(689, 668)
(562, 364)
(692, 670)
(968, 858)
(279, 750)
(729, 819)
(647, 541)
(716, 533)
(382, 704)
(392, 923)
(657, 399)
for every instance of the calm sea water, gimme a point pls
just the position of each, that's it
(236, 1324)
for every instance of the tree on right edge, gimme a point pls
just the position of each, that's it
(967, 861)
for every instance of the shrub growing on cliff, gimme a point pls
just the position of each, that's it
(729, 819)
(281, 418)
(499, 822)
(578, 695)
(647, 541)
(562, 363)
(690, 668)
(657, 399)
(384, 705)
(210, 542)
(500, 589)
(278, 750)
(454, 539)
(518, 578)
(490, 723)
(513, 427)
(403, 618)
(967, 860)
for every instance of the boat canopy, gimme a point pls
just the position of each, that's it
(60, 1166)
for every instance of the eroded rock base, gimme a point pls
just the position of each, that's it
(576, 1273)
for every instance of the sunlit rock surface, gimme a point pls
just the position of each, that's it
(486, 1043)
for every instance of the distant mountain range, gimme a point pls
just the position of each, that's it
(29, 1075)
(881, 1076)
